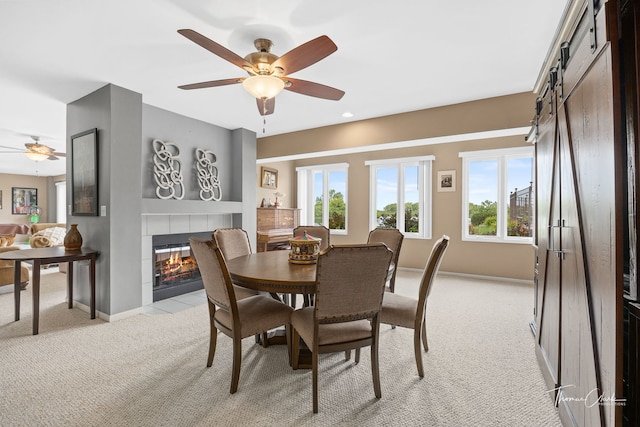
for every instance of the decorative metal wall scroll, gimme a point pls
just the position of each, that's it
(207, 175)
(167, 170)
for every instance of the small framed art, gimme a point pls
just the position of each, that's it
(269, 177)
(22, 199)
(447, 180)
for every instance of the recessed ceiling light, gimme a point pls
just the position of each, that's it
(347, 114)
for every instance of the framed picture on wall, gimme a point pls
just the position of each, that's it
(22, 199)
(0, 199)
(84, 173)
(447, 180)
(269, 177)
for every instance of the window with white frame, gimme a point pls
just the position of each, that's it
(322, 196)
(400, 195)
(497, 195)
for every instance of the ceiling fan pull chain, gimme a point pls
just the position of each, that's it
(264, 118)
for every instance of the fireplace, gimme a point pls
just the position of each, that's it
(175, 271)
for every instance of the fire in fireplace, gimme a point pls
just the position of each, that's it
(175, 269)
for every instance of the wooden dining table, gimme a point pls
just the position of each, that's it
(272, 272)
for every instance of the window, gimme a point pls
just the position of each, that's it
(322, 196)
(61, 202)
(404, 183)
(498, 195)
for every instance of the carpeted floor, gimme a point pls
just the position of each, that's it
(149, 370)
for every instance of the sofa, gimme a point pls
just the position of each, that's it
(7, 269)
(47, 234)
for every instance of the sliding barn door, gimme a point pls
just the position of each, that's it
(576, 295)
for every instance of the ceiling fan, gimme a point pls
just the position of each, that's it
(36, 151)
(268, 73)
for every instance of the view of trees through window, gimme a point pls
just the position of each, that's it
(337, 210)
(332, 185)
(483, 190)
(400, 193)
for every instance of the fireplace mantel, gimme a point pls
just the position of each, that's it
(188, 207)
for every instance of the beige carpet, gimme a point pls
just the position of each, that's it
(149, 370)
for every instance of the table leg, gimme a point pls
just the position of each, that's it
(92, 274)
(70, 284)
(17, 273)
(35, 275)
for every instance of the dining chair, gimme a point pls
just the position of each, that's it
(234, 242)
(409, 312)
(235, 318)
(319, 231)
(392, 237)
(350, 281)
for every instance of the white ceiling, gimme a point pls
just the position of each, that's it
(392, 57)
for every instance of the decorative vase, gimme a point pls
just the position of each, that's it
(73, 239)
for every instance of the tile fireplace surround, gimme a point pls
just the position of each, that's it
(172, 224)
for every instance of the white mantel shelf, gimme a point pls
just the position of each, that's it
(188, 207)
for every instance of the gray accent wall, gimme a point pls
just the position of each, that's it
(126, 129)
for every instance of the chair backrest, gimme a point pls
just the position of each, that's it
(430, 271)
(392, 237)
(233, 242)
(350, 282)
(215, 276)
(319, 231)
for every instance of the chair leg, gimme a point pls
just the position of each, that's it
(424, 336)
(417, 351)
(213, 335)
(287, 331)
(295, 348)
(265, 342)
(375, 368)
(237, 359)
(357, 359)
(347, 354)
(314, 362)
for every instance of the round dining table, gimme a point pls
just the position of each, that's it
(272, 272)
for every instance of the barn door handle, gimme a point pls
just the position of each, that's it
(551, 244)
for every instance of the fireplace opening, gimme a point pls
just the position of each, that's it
(175, 270)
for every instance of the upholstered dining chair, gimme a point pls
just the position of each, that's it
(350, 282)
(235, 318)
(319, 231)
(234, 242)
(392, 237)
(410, 312)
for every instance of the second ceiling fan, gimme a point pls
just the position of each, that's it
(268, 73)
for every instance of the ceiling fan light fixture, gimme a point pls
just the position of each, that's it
(36, 156)
(263, 87)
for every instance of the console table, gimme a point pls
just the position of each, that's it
(44, 256)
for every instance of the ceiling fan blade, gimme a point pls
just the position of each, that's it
(306, 54)
(215, 48)
(305, 87)
(18, 150)
(266, 106)
(212, 83)
(55, 153)
(52, 157)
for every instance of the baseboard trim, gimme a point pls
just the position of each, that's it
(108, 317)
(476, 276)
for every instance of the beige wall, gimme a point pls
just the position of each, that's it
(488, 259)
(7, 181)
